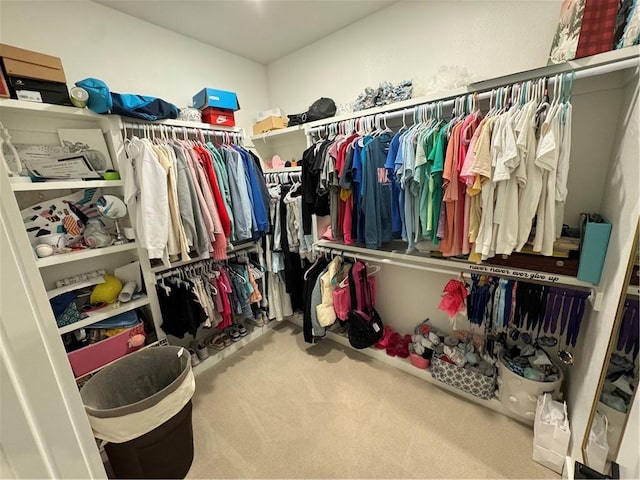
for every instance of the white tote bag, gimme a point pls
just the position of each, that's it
(597, 446)
(551, 433)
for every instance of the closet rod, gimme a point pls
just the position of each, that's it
(384, 261)
(177, 129)
(449, 101)
(198, 263)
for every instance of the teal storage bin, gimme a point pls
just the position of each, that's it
(595, 241)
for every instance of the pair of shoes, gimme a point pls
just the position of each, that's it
(242, 329)
(398, 346)
(387, 332)
(233, 332)
(217, 343)
(402, 349)
(194, 357)
(201, 350)
(256, 321)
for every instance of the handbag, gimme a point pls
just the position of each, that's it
(365, 324)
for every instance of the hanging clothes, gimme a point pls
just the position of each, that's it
(477, 185)
(190, 198)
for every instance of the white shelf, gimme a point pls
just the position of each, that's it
(282, 132)
(47, 109)
(84, 254)
(547, 70)
(405, 365)
(60, 111)
(453, 267)
(633, 290)
(65, 184)
(253, 334)
(154, 344)
(106, 312)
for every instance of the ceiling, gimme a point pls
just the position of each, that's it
(260, 30)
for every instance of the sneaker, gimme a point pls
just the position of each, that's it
(241, 328)
(233, 333)
(201, 350)
(194, 357)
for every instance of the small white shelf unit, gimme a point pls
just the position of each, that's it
(106, 312)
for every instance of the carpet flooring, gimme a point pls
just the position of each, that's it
(280, 408)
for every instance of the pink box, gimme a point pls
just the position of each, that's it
(94, 356)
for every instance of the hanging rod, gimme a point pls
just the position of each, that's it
(199, 263)
(384, 261)
(231, 252)
(448, 100)
(430, 264)
(180, 129)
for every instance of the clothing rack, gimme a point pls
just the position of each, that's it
(174, 270)
(359, 121)
(149, 130)
(385, 261)
(465, 268)
(283, 177)
(247, 246)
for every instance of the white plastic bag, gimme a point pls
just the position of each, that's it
(597, 446)
(551, 433)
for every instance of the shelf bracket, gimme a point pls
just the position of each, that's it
(596, 298)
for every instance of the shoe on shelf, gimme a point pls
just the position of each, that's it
(386, 335)
(393, 343)
(233, 333)
(194, 357)
(215, 344)
(256, 322)
(201, 350)
(402, 347)
(241, 328)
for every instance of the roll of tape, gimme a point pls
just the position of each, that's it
(79, 97)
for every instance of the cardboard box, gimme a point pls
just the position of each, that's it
(34, 76)
(274, 112)
(18, 62)
(220, 99)
(268, 124)
(220, 117)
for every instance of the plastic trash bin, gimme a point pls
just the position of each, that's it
(141, 405)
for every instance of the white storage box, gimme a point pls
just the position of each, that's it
(520, 395)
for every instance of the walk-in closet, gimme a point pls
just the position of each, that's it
(319, 239)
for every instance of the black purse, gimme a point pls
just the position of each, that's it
(365, 324)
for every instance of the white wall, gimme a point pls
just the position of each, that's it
(411, 40)
(130, 55)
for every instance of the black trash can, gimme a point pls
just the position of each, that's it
(141, 405)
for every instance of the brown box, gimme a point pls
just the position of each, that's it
(19, 62)
(270, 123)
